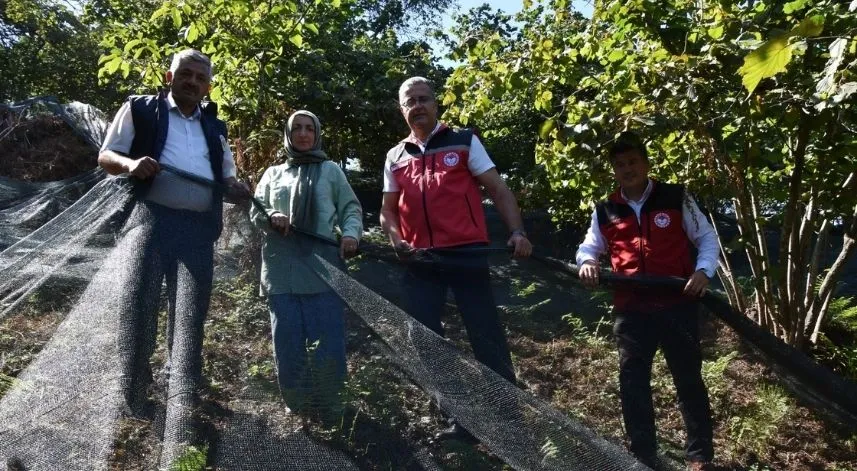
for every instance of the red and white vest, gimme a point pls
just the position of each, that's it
(440, 204)
(656, 245)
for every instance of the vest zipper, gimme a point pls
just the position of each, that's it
(425, 205)
(640, 228)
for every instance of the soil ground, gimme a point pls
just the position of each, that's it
(560, 339)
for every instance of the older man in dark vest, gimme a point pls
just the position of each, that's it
(173, 225)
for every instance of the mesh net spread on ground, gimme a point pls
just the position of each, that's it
(523, 430)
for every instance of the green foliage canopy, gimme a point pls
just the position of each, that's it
(46, 48)
(341, 59)
(748, 103)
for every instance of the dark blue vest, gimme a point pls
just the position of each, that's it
(150, 114)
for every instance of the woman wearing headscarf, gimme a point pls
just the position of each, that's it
(309, 192)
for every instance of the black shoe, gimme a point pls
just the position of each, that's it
(456, 432)
(14, 464)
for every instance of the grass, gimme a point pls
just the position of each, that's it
(837, 344)
(752, 431)
(193, 459)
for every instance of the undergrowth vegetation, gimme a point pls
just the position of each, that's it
(837, 345)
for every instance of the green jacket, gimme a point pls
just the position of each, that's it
(284, 259)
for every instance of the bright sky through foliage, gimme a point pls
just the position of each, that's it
(514, 6)
(509, 6)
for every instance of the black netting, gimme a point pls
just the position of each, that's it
(61, 412)
(26, 206)
(525, 431)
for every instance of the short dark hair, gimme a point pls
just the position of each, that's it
(627, 141)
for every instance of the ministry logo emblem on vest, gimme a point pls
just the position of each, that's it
(662, 220)
(451, 159)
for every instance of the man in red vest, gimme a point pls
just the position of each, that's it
(432, 199)
(647, 227)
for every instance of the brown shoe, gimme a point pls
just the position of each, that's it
(700, 466)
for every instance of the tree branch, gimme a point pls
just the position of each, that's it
(789, 236)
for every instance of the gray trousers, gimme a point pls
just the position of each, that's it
(165, 243)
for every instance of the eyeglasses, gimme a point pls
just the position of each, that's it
(417, 100)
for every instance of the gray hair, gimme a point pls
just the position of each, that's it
(191, 55)
(413, 81)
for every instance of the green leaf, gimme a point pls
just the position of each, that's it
(131, 44)
(767, 60)
(297, 40)
(794, 6)
(111, 67)
(192, 33)
(810, 27)
(312, 27)
(159, 12)
(543, 100)
(716, 32)
(546, 128)
(616, 55)
(216, 93)
(177, 18)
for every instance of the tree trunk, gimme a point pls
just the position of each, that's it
(812, 273)
(747, 217)
(789, 256)
(724, 271)
(828, 286)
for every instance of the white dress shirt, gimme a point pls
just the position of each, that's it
(693, 221)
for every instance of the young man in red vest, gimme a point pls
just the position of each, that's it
(431, 200)
(647, 227)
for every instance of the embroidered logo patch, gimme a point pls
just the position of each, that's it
(451, 159)
(662, 220)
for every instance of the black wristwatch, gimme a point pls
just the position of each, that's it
(520, 232)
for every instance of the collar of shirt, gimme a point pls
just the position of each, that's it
(422, 144)
(643, 197)
(172, 105)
